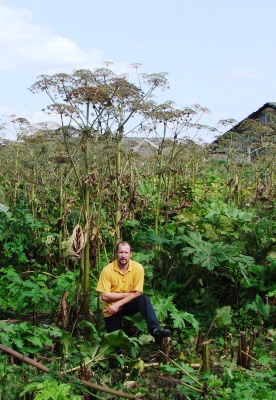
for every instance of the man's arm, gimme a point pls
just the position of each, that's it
(113, 296)
(113, 308)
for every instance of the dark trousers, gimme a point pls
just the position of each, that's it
(140, 304)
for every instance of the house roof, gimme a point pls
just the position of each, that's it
(255, 114)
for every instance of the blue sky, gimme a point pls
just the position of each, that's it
(220, 54)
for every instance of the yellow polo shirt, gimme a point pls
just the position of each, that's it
(113, 280)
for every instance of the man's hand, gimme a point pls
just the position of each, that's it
(113, 308)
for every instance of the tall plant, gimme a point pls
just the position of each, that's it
(96, 103)
(170, 127)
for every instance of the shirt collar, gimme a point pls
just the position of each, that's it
(118, 269)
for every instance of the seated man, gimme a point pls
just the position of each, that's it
(121, 286)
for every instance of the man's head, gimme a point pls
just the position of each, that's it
(123, 253)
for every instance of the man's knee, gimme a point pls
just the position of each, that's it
(140, 301)
(144, 299)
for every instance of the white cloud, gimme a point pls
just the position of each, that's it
(29, 49)
(247, 73)
(25, 44)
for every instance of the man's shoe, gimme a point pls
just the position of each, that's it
(160, 333)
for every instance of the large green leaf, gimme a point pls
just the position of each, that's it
(259, 306)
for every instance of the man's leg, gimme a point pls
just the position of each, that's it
(143, 305)
(114, 322)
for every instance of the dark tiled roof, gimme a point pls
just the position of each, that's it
(255, 114)
(266, 105)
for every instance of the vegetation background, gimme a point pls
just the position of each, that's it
(202, 226)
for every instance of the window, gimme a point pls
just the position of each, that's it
(264, 118)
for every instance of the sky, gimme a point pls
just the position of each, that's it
(218, 53)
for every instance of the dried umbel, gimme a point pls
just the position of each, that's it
(20, 121)
(166, 112)
(73, 247)
(61, 109)
(157, 79)
(124, 89)
(91, 179)
(89, 94)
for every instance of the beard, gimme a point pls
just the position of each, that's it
(123, 261)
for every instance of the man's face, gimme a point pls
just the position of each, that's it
(123, 254)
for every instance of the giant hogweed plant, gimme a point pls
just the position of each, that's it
(195, 262)
(97, 103)
(203, 254)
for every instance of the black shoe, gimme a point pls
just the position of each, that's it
(160, 333)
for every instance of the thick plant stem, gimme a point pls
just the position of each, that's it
(159, 187)
(251, 345)
(242, 351)
(118, 215)
(230, 336)
(15, 176)
(199, 340)
(225, 337)
(33, 201)
(86, 252)
(61, 211)
(206, 357)
(211, 326)
(168, 183)
(118, 212)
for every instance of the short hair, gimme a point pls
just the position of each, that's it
(123, 243)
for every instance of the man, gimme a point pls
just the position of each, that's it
(121, 286)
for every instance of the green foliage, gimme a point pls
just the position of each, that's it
(120, 340)
(241, 385)
(263, 276)
(18, 241)
(224, 317)
(259, 306)
(10, 387)
(66, 281)
(23, 295)
(98, 350)
(165, 308)
(146, 259)
(212, 257)
(27, 338)
(215, 211)
(50, 390)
